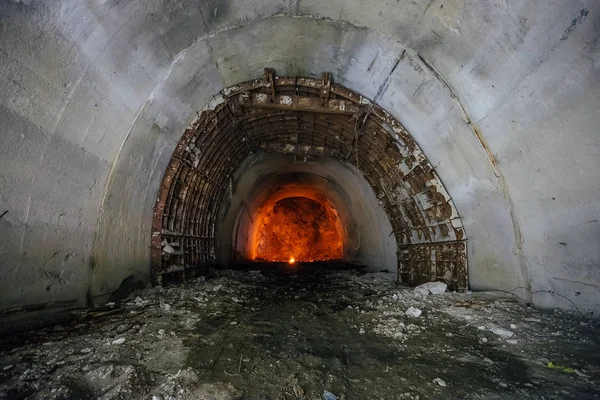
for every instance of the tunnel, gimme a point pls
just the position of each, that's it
(301, 177)
(260, 142)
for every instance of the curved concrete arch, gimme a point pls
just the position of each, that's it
(306, 117)
(113, 85)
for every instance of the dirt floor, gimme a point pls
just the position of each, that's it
(303, 332)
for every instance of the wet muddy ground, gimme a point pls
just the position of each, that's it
(288, 332)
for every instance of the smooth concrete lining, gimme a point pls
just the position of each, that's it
(94, 96)
(264, 179)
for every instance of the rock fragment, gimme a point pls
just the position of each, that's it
(440, 382)
(502, 332)
(413, 312)
(431, 288)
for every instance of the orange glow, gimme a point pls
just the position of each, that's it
(305, 227)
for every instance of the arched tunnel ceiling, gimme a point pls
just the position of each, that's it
(312, 117)
(502, 98)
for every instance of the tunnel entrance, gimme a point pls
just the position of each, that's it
(299, 229)
(310, 121)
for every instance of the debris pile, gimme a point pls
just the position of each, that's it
(284, 334)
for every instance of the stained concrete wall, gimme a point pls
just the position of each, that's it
(501, 96)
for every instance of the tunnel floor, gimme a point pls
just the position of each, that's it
(293, 332)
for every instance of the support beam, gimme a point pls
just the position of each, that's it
(301, 103)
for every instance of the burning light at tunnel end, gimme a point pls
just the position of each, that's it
(298, 229)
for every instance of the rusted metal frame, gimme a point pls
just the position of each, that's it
(216, 166)
(185, 222)
(374, 143)
(373, 140)
(247, 86)
(210, 124)
(222, 164)
(268, 122)
(270, 84)
(240, 129)
(371, 154)
(209, 154)
(165, 192)
(183, 143)
(220, 153)
(301, 103)
(338, 120)
(265, 127)
(308, 82)
(259, 124)
(190, 236)
(378, 113)
(423, 216)
(172, 207)
(183, 181)
(207, 217)
(157, 220)
(395, 216)
(198, 183)
(381, 116)
(286, 85)
(214, 146)
(187, 216)
(419, 257)
(209, 207)
(299, 125)
(203, 187)
(202, 217)
(207, 139)
(374, 155)
(298, 148)
(325, 88)
(358, 130)
(336, 127)
(329, 144)
(169, 204)
(369, 159)
(200, 172)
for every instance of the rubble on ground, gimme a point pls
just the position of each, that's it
(292, 335)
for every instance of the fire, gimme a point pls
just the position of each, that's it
(298, 229)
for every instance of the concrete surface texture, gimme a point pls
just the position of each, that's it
(502, 97)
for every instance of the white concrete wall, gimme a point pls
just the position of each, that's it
(82, 84)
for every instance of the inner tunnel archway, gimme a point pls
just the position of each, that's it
(298, 229)
(306, 121)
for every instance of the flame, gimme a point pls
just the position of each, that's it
(298, 229)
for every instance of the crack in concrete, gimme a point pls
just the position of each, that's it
(496, 169)
(385, 84)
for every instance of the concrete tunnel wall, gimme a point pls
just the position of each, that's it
(502, 98)
(264, 179)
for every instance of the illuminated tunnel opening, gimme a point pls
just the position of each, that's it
(262, 141)
(299, 229)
